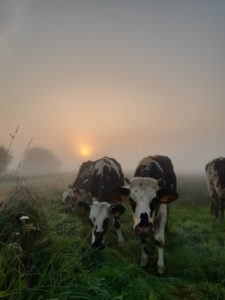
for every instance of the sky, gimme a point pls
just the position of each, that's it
(125, 79)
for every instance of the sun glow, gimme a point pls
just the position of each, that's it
(85, 151)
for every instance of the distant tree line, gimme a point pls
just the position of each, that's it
(37, 160)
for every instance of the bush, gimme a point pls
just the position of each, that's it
(5, 158)
(40, 161)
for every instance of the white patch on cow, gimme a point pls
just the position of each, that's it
(67, 193)
(142, 191)
(147, 161)
(85, 181)
(106, 162)
(98, 213)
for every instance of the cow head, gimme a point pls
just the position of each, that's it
(82, 198)
(73, 195)
(145, 199)
(100, 214)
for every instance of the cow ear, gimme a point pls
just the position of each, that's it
(166, 196)
(76, 190)
(84, 207)
(120, 193)
(117, 210)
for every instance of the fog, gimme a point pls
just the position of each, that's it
(125, 79)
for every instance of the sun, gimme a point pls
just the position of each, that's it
(84, 151)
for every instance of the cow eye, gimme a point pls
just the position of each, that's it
(153, 204)
(132, 204)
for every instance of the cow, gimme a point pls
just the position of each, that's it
(98, 179)
(215, 177)
(151, 189)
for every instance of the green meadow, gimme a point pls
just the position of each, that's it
(49, 256)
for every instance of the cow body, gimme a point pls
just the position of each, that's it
(215, 175)
(160, 168)
(151, 190)
(91, 191)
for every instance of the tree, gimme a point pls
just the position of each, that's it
(40, 161)
(5, 158)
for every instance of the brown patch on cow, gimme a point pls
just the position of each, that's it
(116, 214)
(119, 194)
(167, 196)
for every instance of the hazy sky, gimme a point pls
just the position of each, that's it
(123, 78)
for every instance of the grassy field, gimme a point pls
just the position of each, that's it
(50, 257)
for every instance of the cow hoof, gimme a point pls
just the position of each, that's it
(160, 270)
(144, 262)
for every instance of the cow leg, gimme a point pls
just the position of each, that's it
(159, 237)
(215, 203)
(160, 263)
(144, 256)
(116, 224)
(222, 207)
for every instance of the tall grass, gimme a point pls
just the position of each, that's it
(51, 257)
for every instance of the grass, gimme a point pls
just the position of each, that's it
(51, 258)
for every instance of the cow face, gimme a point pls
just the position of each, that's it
(68, 197)
(145, 198)
(100, 213)
(144, 203)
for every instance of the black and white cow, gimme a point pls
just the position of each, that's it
(215, 175)
(99, 180)
(151, 190)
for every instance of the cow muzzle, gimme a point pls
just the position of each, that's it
(98, 242)
(143, 232)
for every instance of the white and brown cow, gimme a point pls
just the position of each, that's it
(91, 191)
(215, 175)
(149, 197)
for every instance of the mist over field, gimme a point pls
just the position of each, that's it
(117, 78)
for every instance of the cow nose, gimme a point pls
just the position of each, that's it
(145, 231)
(98, 243)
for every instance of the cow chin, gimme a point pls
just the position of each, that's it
(98, 246)
(143, 232)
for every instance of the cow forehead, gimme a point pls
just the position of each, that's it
(100, 209)
(143, 188)
(144, 183)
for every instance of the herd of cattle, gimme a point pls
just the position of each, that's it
(101, 187)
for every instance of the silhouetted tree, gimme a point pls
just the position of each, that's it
(40, 161)
(5, 158)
